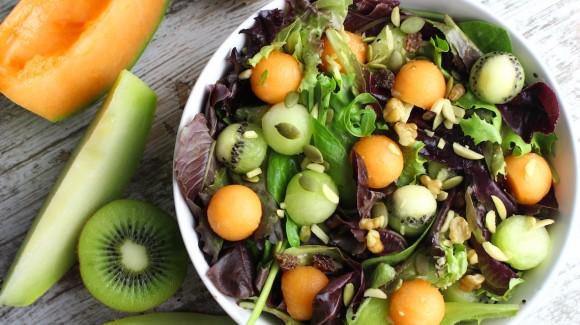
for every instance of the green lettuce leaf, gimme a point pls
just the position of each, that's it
(414, 164)
(480, 130)
(455, 266)
(512, 141)
(507, 295)
(372, 311)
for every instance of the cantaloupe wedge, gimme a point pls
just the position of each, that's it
(59, 56)
(98, 172)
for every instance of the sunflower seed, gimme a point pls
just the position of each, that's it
(254, 179)
(329, 194)
(396, 16)
(318, 232)
(466, 152)
(543, 223)
(315, 167)
(494, 252)
(490, 221)
(499, 207)
(250, 135)
(245, 74)
(254, 172)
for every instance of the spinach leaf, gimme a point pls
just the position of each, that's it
(292, 232)
(337, 156)
(488, 37)
(281, 168)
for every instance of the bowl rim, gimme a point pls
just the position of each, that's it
(196, 102)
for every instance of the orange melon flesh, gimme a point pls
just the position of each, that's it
(58, 56)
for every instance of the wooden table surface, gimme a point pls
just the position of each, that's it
(33, 151)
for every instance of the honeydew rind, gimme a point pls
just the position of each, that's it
(98, 172)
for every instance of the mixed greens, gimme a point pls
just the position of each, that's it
(460, 200)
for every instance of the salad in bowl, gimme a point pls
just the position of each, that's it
(371, 162)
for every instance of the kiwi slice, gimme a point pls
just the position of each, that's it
(241, 147)
(412, 207)
(131, 256)
(497, 77)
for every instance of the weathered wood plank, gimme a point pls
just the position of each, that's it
(33, 151)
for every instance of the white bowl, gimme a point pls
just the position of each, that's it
(537, 280)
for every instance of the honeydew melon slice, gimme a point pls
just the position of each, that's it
(98, 172)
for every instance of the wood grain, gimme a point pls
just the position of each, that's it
(33, 151)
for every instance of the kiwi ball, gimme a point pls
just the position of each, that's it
(241, 147)
(411, 209)
(496, 77)
(131, 256)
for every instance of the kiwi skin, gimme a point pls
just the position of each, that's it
(103, 262)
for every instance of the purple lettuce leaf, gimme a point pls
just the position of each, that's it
(535, 109)
(196, 171)
(393, 242)
(434, 237)
(367, 197)
(546, 208)
(497, 274)
(446, 156)
(209, 242)
(345, 234)
(484, 187)
(194, 161)
(328, 304)
(234, 273)
(464, 51)
(230, 92)
(369, 16)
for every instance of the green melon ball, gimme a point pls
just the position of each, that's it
(411, 209)
(241, 146)
(496, 77)
(525, 245)
(287, 129)
(311, 197)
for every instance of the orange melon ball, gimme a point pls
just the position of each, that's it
(382, 157)
(354, 43)
(419, 82)
(275, 76)
(299, 288)
(234, 212)
(529, 177)
(417, 302)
